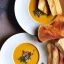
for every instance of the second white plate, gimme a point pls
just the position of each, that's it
(12, 42)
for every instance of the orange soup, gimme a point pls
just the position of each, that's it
(24, 50)
(43, 19)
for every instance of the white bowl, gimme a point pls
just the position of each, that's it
(23, 17)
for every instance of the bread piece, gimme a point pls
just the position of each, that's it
(58, 7)
(53, 54)
(52, 7)
(61, 58)
(42, 6)
(44, 34)
(52, 31)
(60, 45)
(55, 59)
(49, 49)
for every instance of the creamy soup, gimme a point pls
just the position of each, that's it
(28, 51)
(43, 19)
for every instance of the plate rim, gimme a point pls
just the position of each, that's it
(16, 16)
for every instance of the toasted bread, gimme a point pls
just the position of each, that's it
(60, 45)
(44, 34)
(61, 58)
(53, 54)
(42, 6)
(58, 7)
(45, 10)
(49, 49)
(52, 31)
(55, 59)
(52, 7)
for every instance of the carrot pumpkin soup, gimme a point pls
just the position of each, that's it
(26, 54)
(40, 13)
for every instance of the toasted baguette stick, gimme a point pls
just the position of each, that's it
(60, 45)
(58, 7)
(42, 6)
(61, 58)
(55, 59)
(45, 10)
(49, 49)
(52, 7)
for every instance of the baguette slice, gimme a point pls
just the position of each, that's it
(53, 54)
(42, 6)
(61, 58)
(60, 45)
(58, 6)
(52, 7)
(49, 49)
(55, 59)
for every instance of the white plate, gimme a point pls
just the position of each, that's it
(23, 17)
(12, 42)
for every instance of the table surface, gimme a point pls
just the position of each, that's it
(8, 22)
